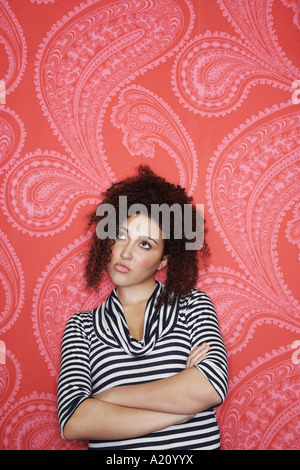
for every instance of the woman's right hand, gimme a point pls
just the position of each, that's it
(197, 355)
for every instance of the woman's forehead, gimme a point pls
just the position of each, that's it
(140, 225)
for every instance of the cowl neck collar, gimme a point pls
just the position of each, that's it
(111, 327)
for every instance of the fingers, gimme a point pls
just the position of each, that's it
(197, 355)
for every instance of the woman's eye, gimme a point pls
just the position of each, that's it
(145, 245)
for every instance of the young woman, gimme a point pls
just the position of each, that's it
(146, 368)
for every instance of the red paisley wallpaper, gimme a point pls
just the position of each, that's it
(205, 92)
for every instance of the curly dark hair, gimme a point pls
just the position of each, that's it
(146, 188)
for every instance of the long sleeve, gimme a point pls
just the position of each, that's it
(74, 382)
(204, 327)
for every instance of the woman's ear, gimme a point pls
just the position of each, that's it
(163, 263)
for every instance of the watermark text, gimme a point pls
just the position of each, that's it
(184, 225)
(2, 92)
(296, 354)
(2, 352)
(296, 93)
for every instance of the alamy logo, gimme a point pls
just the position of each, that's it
(296, 94)
(2, 92)
(182, 227)
(2, 352)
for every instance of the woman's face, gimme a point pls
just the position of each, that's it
(137, 252)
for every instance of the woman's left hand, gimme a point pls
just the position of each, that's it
(197, 355)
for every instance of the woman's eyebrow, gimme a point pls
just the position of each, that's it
(142, 236)
(149, 238)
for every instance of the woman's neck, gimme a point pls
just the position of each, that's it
(131, 295)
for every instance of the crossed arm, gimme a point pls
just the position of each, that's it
(130, 411)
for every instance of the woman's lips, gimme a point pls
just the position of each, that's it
(121, 268)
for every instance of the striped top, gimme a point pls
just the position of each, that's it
(98, 353)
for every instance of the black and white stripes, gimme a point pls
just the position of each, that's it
(98, 353)
(111, 328)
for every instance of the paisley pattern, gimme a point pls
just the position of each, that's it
(213, 74)
(202, 92)
(82, 65)
(58, 287)
(12, 136)
(255, 181)
(12, 38)
(32, 425)
(12, 284)
(145, 120)
(10, 379)
(293, 227)
(43, 191)
(294, 4)
(262, 408)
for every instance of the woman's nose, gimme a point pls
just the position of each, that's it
(126, 253)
